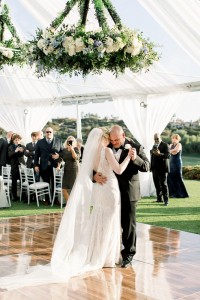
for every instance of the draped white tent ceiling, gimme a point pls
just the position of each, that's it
(27, 102)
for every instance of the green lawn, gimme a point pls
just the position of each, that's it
(181, 214)
(191, 159)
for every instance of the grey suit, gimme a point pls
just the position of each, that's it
(129, 186)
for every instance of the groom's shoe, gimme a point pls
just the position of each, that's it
(126, 262)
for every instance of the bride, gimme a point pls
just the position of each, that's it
(88, 237)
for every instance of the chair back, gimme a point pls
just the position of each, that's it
(30, 177)
(58, 179)
(6, 177)
(22, 174)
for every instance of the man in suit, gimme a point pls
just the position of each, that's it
(4, 143)
(46, 157)
(160, 168)
(30, 150)
(129, 186)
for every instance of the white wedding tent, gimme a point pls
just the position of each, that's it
(145, 101)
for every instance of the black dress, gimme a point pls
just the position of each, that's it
(175, 180)
(70, 169)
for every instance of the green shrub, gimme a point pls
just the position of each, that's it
(191, 172)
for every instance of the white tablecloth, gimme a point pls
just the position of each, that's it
(3, 197)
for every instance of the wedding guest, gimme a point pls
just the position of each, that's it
(160, 167)
(40, 135)
(30, 150)
(70, 156)
(16, 155)
(46, 157)
(80, 147)
(4, 143)
(176, 185)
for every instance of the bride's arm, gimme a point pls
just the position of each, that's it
(117, 168)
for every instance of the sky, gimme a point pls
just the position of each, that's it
(134, 16)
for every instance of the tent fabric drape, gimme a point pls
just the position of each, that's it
(144, 116)
(25, 119)
(180, 19)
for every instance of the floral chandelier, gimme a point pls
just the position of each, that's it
(73, 50)
(12, 50)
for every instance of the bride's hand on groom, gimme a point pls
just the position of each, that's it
(99, 178)
(132, 153)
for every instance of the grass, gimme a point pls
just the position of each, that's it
(23, 209)
(181, 214)
(191, 159)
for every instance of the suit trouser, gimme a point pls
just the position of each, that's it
(128, 223)
(47, 176)
(160, 182)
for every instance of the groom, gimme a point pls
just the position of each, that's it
(129, 188)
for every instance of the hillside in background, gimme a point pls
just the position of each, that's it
(190, 133)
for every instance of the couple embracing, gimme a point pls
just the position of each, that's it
(102, 202)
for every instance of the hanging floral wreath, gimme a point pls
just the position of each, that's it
(12, 50)
(74, 50)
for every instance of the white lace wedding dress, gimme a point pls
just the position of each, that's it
(89, 234)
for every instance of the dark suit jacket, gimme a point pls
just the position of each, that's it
(3, 151)
(129, 184)
(16, 158)
(43, 152)
(30, 154)
(161, 163)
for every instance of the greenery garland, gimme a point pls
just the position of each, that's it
(73, 50)
(12, 50)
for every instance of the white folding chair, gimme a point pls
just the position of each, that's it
(37, 188)
(57, 179)
(7, 181)
(23, 181)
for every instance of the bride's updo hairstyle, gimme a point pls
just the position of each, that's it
(105, 135)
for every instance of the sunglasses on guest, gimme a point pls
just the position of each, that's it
(48, 131)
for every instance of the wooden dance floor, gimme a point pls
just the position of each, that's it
(166, 265)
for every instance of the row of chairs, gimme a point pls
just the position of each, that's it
(29, 186)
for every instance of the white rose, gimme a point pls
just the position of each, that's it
(79, 45)
(109, 42)
(127, 146)
(109, 49)
(71, 50)
(41, 43)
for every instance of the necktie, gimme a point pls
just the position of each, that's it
(49, 141)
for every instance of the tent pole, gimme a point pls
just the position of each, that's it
(78, 115)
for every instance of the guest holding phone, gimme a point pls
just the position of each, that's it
(16, 156)
(70, 156)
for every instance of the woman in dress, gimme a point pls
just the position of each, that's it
(70, 155)
(16, 157)
(88, 237)
(175, 181)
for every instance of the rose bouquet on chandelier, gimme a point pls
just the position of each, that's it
(76, 51)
